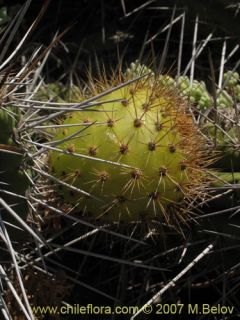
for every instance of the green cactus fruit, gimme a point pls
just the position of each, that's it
(139, 154)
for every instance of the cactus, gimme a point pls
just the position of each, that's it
(7, 122)
(57, 92)
(133, 154)
(223, 130)
(13, 180)
(137, 69)
(222, 126)
(140, 154)
(225, 143)
(195, 92)
(231, 78)
(198, 94)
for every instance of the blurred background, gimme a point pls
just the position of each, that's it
(104, 30)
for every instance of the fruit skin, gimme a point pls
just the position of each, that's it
(153, 146)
